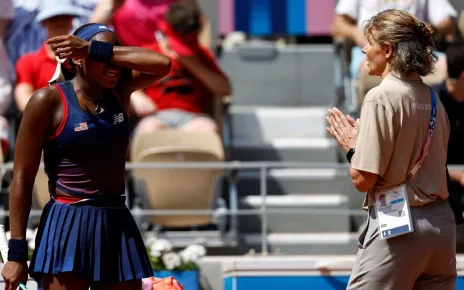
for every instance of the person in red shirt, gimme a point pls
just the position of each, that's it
(144, 16)
(34, 70)
(184, 98)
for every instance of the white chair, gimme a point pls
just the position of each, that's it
(178, 189)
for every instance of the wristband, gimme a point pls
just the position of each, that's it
(17, 250)
(101, 51)
(350, 154)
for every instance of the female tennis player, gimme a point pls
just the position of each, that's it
(87, 236)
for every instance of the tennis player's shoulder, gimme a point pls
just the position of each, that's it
(46, 99)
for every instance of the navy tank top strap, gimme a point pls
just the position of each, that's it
(69, 94)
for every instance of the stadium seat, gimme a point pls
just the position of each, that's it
(179, 189)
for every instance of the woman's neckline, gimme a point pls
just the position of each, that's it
(88, 114)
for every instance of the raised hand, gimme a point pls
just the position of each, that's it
(69, 46)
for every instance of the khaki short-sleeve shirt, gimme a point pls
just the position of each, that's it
(393, 128)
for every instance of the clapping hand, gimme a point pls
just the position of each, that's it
(343, 128)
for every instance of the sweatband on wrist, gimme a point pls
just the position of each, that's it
(101, 51)
(17, 250)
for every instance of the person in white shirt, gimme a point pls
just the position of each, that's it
(351, 14)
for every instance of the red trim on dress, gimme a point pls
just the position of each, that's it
(65, 113)
(68, 199)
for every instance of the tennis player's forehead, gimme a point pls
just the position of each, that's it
(107, 36)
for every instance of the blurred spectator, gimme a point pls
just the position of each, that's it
(27, 35)
(6, 14)
(35, 69)
(87, 8)
(135, 21)
(6, 87)
(451, 94)
(184, 98)
(350, 15)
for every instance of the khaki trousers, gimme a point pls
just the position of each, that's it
(423, 259)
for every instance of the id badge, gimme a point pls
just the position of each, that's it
(393, 212)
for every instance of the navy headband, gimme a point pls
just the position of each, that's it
(91, 30)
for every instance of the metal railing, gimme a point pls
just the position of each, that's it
(231, 169)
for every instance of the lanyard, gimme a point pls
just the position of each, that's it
(428, 141)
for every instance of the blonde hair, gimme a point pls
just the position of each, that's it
(411, 39)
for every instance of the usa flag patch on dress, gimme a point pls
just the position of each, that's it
(81, 127)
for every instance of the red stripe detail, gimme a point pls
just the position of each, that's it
(121, 103)
(65, 113)
(68, 199)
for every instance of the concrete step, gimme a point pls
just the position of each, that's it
(291, 149)
(261, 125)
(342, 243)
(291, 213)
(294, 181)
(307, 244)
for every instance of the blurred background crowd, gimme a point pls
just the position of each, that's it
(251, 81)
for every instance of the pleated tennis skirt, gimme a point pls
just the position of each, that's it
(96, 240)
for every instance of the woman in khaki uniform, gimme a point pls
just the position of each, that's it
(409, 238)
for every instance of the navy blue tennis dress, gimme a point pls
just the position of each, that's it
(93, 234)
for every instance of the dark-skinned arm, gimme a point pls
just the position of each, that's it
(36, 125)
(147, 66)
(216, 81)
